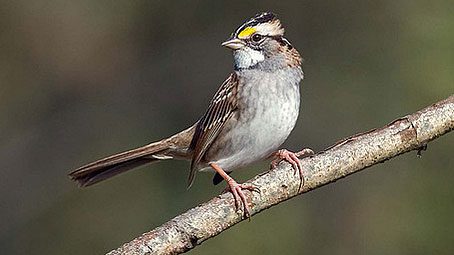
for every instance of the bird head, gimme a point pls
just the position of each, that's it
(259, 39)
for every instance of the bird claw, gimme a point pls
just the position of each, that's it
(293, 159)
(240, 199)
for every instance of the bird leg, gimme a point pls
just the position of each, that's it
(236, 189)
(293, 159)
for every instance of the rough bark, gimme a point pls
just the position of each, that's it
(346, 157)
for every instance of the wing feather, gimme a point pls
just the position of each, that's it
(221, 108)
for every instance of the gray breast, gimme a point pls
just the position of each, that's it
(268, 107)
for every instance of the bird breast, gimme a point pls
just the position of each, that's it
(268, 107)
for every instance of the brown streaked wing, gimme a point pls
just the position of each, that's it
(221, 108)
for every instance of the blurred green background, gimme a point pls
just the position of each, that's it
(83, 79)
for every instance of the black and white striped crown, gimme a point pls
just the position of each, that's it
(265, 23)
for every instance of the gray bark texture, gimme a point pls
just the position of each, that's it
(346, 157)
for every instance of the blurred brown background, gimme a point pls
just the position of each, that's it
(84, 79)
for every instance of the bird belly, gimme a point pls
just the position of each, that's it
(262, 123)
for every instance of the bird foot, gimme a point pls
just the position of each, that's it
(293, 159)
(240, 199)
(237, 190)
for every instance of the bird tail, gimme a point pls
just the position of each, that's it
(175, 146)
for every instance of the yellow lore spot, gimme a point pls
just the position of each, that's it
(246, 32)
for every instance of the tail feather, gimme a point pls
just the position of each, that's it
(87, 177)
(173, 147)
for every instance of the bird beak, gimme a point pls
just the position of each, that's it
(234, 44)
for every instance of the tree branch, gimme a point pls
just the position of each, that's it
(346, 157)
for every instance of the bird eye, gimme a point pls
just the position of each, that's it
(256, 38)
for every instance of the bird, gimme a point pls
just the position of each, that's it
(250, 116)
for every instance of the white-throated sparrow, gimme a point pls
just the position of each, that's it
(249, 117)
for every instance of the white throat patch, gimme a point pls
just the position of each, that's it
(247, 57)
